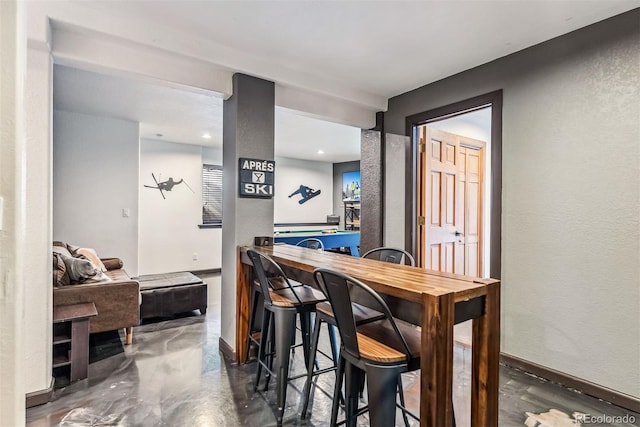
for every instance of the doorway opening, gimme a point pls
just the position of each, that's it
(452, 236)
(454, 221)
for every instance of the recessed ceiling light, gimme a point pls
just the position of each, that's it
(320, 152)
(206, 135)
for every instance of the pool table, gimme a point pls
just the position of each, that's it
(337, 239)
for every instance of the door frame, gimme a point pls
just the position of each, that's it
(494, 100)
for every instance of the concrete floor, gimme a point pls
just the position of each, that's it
(174, 375)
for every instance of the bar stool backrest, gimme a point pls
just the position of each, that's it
(311, 243)
(392, 255)
(264, 267)
(336, 287)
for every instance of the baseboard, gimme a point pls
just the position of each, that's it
(619, 399)
(227, 351)
(39, 397)
(207, 271)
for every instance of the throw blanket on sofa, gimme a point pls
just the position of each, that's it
(72, 264)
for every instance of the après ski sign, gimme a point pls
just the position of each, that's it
(256, 178)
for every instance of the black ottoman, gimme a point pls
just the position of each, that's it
(168, 294)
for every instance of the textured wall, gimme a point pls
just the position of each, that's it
(571, 197)
(372, 198)
(394, 190)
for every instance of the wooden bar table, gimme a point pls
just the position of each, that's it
(433, 300)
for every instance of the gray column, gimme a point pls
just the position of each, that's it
(248, 131)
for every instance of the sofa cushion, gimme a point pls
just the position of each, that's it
(112, 263)
(118, 275)
(70, 248)
(73, 265)
(60, 276)
(60, 273)
(57, 249)
(92, 256)
(99, 278)
(79, 270)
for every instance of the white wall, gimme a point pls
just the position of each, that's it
(290, 174)
(12, 176)
(95, 177)
(169, 233)
(212, 156)
(101, 167)
(476, 124)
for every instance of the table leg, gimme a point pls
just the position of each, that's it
(354, 251)
(243, 308)
(436, 364)
(485, 370)
(79, 349)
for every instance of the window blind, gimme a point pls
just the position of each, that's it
(211, 194)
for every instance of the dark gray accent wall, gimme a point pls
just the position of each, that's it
(570, 196)
(371, 211)
(248, 119)
(338, 170)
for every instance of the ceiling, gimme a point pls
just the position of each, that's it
(178, 115)
(168, 113)
(358, 52)
(382, 47)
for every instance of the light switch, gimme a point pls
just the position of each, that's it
(126, 212)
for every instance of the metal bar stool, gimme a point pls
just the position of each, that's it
(311, 243)
(279, 324)
(363, 314)
(324, 314)
(382, 350)
(392, 255)
(275, 283)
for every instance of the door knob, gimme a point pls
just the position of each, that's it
(458, 233)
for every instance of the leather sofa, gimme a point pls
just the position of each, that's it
(117, 301)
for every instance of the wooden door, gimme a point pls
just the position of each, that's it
(450, 202)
